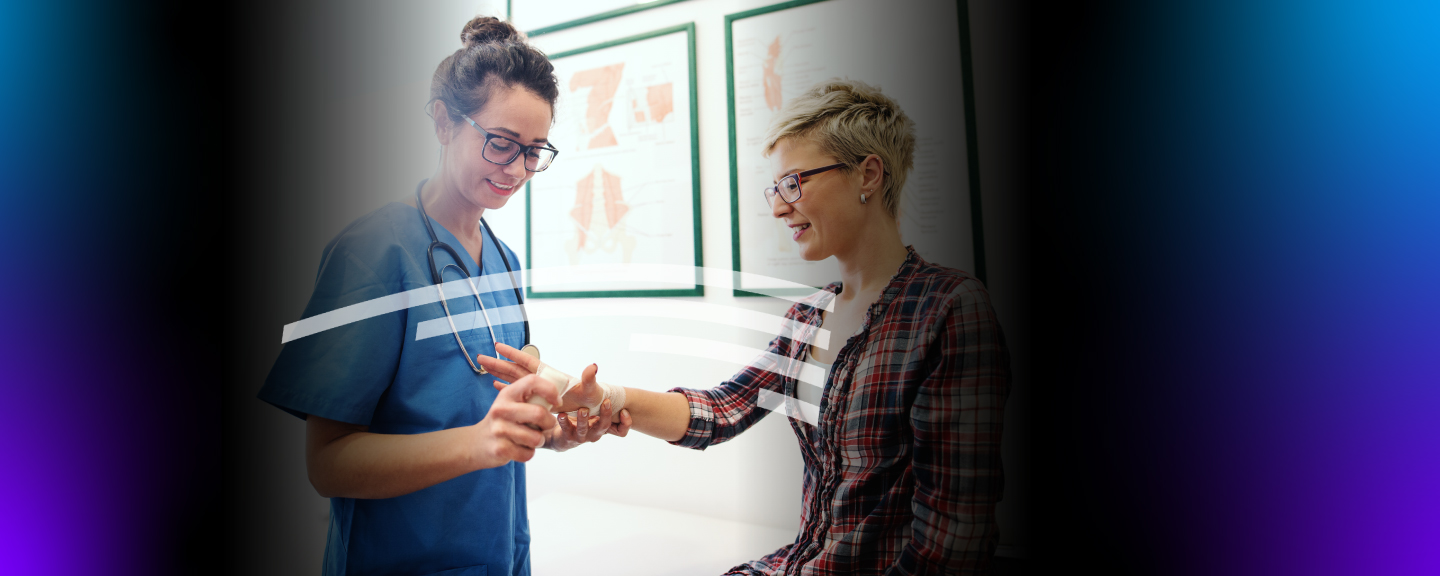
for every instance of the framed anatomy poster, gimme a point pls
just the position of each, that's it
(914, 52)
(624, 193)
(538, 17)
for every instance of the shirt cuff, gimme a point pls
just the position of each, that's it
(702, 420)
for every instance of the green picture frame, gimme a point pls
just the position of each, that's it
(971, 136)
(699, 288)
(509, 15)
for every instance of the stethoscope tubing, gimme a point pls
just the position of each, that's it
(438, 279)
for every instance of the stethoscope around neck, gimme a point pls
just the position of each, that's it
(438, 278)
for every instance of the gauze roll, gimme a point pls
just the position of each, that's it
(564, 382)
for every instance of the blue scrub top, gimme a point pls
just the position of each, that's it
(374, 372)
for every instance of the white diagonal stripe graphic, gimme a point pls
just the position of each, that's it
(727, 352)
(367, 309)
(792, 407)
(469, 321)
(713, 277)
(632, 307)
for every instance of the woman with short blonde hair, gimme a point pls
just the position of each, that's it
(849, 121)
(902, 464)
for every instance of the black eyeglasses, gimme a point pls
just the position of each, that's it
(501, 150)
(789, 187)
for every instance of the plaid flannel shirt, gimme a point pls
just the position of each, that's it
(902, 472)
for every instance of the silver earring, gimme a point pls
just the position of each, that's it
(862, 198)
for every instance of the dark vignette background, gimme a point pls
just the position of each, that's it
(115, 131)
(1230, 251)
(1235, 208)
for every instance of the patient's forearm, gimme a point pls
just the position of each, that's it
(664, 415)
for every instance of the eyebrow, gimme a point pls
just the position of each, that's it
(787, 173)
(515, 135)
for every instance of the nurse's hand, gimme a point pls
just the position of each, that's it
(514, 428)
(519, 366)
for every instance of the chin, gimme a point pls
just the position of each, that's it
(812, 254)
(493, 202)
(489, 200)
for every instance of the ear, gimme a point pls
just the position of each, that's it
(444, 129)
(872, 174)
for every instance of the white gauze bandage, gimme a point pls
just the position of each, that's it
(616, 396)
(564, 382)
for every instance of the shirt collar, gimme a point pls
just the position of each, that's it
(902, 276)
(907, 269)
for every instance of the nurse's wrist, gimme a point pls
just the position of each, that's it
(477, 453)
(473, 450)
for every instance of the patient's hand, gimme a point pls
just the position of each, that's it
(578, 428)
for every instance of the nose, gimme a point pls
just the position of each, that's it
(779, 207)
(516, 169)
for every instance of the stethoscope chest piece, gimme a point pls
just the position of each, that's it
(532, 350)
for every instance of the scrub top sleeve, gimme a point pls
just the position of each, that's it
(340, 373)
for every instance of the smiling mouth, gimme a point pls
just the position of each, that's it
(500, 188)
(800, 229)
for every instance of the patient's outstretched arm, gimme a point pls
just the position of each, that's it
(664, 415)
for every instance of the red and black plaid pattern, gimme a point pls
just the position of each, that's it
(902, 472)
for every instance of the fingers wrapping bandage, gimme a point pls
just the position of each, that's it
(564, 382)
(560, 380)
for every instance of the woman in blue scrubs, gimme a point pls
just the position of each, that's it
(420, 456)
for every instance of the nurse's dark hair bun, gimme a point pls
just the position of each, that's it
(488, 30)
(494, 55)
